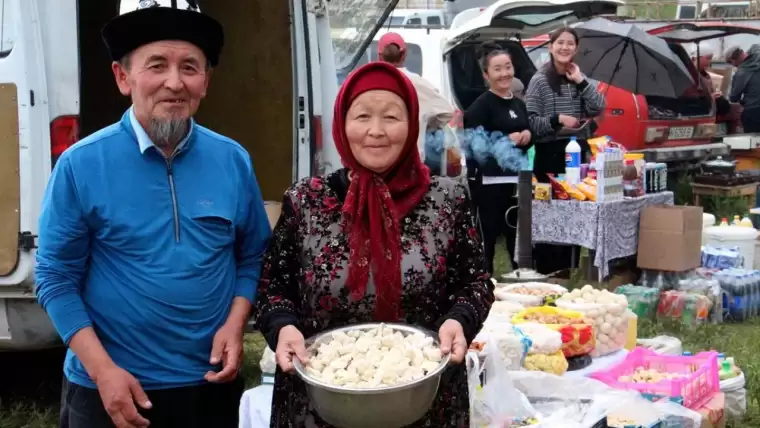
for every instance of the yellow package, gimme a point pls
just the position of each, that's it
(543, 192)
(588, 190)
(572, 191)
(555, 363)
(590, 181)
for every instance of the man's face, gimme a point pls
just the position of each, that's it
(166, 80)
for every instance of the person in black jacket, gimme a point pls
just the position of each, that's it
(493, 188)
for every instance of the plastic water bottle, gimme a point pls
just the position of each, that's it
(573, 161)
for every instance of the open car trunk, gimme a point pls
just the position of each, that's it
(467, 77)
(250, 97)
(696, 102)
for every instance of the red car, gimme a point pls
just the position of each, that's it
(666, 129)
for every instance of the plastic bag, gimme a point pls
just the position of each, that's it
(494, 401)
(443, 153)
(268, 364)
(505, 308)
(578, 337)
(512, 344)
(609, 321)
(736, 396)
(543, 339)
(641, 300)
(665, 345)
(530, 293)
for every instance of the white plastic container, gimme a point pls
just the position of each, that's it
(573, 162)
(708, 220)
(734, 236)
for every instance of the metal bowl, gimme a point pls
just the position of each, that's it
(383, 407)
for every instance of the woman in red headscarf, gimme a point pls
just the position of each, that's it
(379, 240)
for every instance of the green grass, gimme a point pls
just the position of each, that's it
(737, 340)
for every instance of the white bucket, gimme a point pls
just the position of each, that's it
(734, 236)
(708, 220)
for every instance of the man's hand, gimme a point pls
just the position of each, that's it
(119, 391)
(228, 350)
(515, 137)
(452, 340)
(290, 344)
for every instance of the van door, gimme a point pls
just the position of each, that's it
(524, 19)
(24, 137)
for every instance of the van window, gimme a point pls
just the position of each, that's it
(414, 21)
(413, 59)
(726, 11)
(687, 12)
(353, 22)
(6, 28)
(434, 20)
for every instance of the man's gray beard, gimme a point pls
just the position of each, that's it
(168, 133)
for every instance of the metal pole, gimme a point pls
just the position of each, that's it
(525, 219)
(174, 4)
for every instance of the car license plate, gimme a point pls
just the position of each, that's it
(721, 130)
(681, 132)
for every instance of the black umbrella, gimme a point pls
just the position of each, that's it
(626, 56)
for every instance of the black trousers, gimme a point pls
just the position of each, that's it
(751, 120)
(550, 159)
(201, 406)
(492, 202)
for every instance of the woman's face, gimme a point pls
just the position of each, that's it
(500, 72)
(564, 48)
(377, 125)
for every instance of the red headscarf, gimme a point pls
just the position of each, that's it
(375, 203)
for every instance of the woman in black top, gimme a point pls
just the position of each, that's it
(493, 188)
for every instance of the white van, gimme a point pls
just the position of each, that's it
(273, 92)
(507, 22)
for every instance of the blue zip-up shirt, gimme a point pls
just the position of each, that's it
(150, 251)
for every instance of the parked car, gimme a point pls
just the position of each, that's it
(668, 129)
(506, 22)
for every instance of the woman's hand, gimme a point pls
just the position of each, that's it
(569, 121)
(452, 340)
(573, 73)
(290, 344)
(524, 138)
(515, 137)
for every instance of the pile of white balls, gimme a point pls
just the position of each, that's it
(605, 311)
(374, 357)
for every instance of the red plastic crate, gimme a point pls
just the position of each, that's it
(693, 391)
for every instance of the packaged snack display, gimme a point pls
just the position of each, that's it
(692, 309)
(554, 363)
(577, 334)
(530, 293)
(692, 380)
(605, 311)
(641, 300)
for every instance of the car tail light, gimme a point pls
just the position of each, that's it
(656, 134)
(64, 132)
(318, 167)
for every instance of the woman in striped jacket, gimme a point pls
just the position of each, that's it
(559, 98)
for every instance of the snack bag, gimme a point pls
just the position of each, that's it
(590, 181)
(543, 192)
(573, 191)
(588, 191)
(558, 190)
(555, 363)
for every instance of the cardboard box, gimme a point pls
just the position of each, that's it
(273, 212)
(670, 238)
(713, 412)
(725, 82)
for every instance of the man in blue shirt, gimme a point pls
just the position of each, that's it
(152, 232)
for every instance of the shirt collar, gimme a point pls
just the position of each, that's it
(144, 141)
